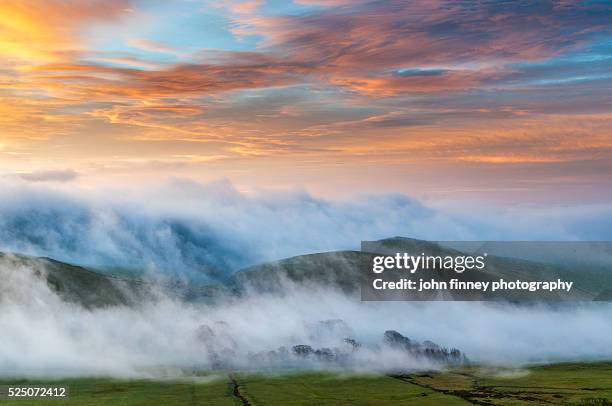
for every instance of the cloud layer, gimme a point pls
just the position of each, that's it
(182, 228)
(45, 337)
(125, 83)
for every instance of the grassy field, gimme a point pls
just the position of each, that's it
(566, 384)
(214, 390)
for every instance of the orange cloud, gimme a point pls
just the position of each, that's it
(35, 31)
(362, 46)
(392, 85)
(391, 82)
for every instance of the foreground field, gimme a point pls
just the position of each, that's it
(568, 384)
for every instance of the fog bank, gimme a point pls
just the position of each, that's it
(185, 228)
(44, 336)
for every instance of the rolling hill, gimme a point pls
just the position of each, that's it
(343, 269)
(93, 288)
(337, 269)
(74, 283)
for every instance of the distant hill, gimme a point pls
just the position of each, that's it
(342, 269)
(74, 283)
(338, 269)
(91, 288)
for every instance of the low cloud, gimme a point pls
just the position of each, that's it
(185, 228)
(50, 338)
(50, 176)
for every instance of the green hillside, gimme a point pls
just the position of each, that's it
(577, 384)
(92, 288)
(337, 269)
(342, 269)
(74, 283)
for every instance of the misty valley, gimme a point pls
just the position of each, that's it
(298, 319)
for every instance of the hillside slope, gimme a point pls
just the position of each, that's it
(73, 283)
(92, 288)
(342, 269)
(338, 269)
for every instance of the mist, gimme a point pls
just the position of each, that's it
(208, 231)
(44, 336)
(185, 229)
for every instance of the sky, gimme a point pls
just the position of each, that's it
(492, 100)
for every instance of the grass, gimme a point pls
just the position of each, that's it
(580, 384)
(568, 384)
(95, 391)
(330, 389)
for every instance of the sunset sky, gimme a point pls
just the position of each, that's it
(437, 99)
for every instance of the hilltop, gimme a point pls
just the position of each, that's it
(336, 269)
